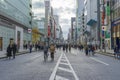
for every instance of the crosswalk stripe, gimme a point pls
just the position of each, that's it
(55, 69)
(60, 78)
(64, 69)
(63, 60)
(64, 63)
(75, 75)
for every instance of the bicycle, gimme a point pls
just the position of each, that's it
(45, 56)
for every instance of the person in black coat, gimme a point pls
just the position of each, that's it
(64, 47)
(9, 51)
(14, 49)
(86, 50)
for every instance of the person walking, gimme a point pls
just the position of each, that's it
(52, 51)
(45, 52)
(69, 47)
(63, 47)
(14, 49)
(86, 50)
(116, 51)
(66, 47)
(30, 47)
(9, 51)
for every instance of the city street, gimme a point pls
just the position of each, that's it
(30, 28)
(68, 66)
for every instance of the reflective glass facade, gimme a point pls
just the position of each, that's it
(115, 17)
(15, 19)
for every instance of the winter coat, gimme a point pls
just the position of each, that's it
(52, 48)
(14, 47)
(9, 51)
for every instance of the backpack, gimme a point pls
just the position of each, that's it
(52, 48)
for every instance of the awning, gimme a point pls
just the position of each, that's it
(91, 22)
(87, 32)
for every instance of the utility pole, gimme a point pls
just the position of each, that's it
(110, 26)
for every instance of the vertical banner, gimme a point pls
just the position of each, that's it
(48, 31)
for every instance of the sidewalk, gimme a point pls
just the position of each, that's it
(21, 51)
(107, 53)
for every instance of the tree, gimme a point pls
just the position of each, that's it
(35, 35)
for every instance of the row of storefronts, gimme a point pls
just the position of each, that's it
(14, 32)
(15, 20)
(115, 23)
(116, 33)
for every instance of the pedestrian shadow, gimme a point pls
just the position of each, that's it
(6, 59)
(90, 55)
(47, 62)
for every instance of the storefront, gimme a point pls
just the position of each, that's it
(116, 33)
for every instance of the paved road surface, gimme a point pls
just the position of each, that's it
(67, 66)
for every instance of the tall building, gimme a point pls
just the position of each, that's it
(115, 22)
(91, 15)
(39, 16)
(57, 27)
(72, 27)
(15, 21)
(79, 11)
(47, 17)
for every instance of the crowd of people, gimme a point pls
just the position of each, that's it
(12, 49)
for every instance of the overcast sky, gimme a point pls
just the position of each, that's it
(65, 9)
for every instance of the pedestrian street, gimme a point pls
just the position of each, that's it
(66, 66)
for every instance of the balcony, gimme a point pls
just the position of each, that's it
(117, 5)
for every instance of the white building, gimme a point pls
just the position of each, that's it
(57, 27)
(90, 12)
(79, 19)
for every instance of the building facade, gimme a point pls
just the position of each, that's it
(72, 27)
(15, 20)
(39, 14)
(115, 23)
(79, 11)
(90, 11)
(57, 28)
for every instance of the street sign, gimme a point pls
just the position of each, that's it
(29, 31)
(103, 28)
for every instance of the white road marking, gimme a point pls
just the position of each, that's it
(60, 78)
(76, 78)
(99, 61)
(64, 63)
(64, 69)
(73, 52)
(52, 77)
(55, 69)
(63, 60)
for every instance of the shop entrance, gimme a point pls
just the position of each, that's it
(1, 43)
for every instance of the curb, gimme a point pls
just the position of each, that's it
(17, 54)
